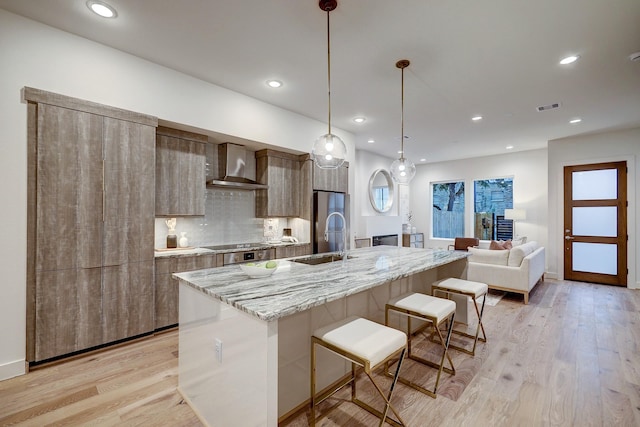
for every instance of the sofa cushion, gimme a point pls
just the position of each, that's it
(518, 253)
(488, 256)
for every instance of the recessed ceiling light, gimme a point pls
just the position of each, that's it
(399, 151)
(359, 119)
(569, 59)
(423, 160)
(509, 147)
(576, 120)
(476, 118)
(371, 141)
(102, 9)
(274, 83)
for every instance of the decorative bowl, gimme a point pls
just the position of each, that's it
(258, 269)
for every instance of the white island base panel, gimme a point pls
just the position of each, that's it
(263, 373)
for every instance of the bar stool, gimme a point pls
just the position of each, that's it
(364, 343)
(430, 309)
(473, 290)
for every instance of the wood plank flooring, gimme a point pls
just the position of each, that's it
(569, 358)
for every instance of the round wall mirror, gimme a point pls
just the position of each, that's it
(381, 191)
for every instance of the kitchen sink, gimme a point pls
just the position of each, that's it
(315, 260)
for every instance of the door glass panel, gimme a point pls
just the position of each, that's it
(601, 221)
(595, 258)
(595, 185)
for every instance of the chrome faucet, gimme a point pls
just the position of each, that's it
(344, 232)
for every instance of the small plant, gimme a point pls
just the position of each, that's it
(409, 217)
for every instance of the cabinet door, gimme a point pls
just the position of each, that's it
(166, 290)
(69, 190)
(129, 192)
(68, 311)
(180, 177)
(331, 179)
(128, 229)
(127, 300)
(282, 173)
(68, 232)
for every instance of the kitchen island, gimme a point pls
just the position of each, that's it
(244, 343)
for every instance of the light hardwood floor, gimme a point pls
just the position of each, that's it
(569, 358)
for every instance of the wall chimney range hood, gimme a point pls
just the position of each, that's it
(231, 167)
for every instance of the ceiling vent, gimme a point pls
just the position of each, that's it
(548, 107)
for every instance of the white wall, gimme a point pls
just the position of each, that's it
(585, 149)
(529, 172)
(39, 56)
(367, 222)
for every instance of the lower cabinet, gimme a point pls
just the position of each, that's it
(166, 292)
(414, 240)
(291, 251)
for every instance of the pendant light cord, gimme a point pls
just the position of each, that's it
(402, 115)
(329, 66)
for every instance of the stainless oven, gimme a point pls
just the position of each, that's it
(248, 256)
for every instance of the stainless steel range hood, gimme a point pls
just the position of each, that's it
(231, 167)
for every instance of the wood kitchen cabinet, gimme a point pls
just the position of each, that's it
(331, 179)
(413, 240)
(313, 178)
(90, 224)
(180, 173)
(166, 287)
(293, 250)
(281, 172)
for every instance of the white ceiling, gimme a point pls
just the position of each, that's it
(496, 58)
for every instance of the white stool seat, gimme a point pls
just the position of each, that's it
(463, 286)
(363, 343)
(426, 305)
(473, 290)
(366, 339)
(434, 312)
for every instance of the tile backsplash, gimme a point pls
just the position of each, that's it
(229, 218)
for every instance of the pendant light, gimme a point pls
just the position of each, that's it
(402, 170)
(329, 151)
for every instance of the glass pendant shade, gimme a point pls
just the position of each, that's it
(402, 170)
(329, 152)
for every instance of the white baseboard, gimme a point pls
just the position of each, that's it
(12, 369)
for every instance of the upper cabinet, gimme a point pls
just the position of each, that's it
(180, 173)
(329, 179)
(281, 172)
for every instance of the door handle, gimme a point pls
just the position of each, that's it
(569, 237)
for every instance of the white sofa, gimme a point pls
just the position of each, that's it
(517, 269)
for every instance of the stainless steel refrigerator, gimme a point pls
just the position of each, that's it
(325, 203)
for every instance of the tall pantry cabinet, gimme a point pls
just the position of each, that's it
(90, 236)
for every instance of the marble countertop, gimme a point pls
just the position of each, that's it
(296, 287)
(179, 252)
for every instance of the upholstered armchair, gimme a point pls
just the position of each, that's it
(462, 243)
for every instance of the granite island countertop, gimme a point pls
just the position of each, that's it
(296, 287)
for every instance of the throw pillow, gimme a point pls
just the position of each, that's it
(500, 245)
(496, 246)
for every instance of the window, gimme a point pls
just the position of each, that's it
(381, 195)
(448, 209)
(491, 198)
